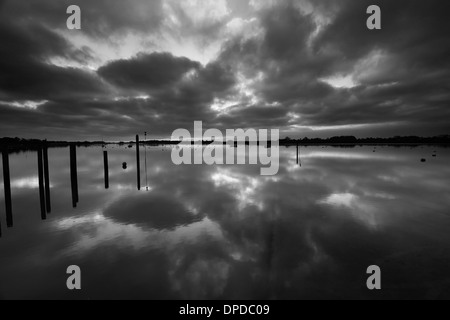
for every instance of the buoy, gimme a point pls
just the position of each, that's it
(124, 166)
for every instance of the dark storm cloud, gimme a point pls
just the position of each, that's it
(147, 72)
(291, 68)
(416, 30)
(273, 78)
(80, 101)
(181, 91)
(412, 70)
(409, 81)
(26, 73)
(100, 17)
(200, 89)
(406, 82)
(163, 71)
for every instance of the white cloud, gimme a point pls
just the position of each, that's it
(25, 104)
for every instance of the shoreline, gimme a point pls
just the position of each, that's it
(58, 144)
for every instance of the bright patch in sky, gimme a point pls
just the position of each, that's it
(221, 106)
(25, 104)
(341, 199)
(345, 82)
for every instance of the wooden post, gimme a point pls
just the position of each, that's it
(48, 204)
(74, 174)
(7, 188)
(297, 154)
(41, 183)
(138, 163)
(106, 167)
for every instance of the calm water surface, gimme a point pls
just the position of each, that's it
(225, 232)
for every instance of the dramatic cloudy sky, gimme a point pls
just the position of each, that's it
(307, 67)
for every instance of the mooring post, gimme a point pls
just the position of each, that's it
(138, 163)
(48, 204)
(106, 168)
(74, 174)
(7, 188)
(41, 183)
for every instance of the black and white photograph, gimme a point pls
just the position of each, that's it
(224, 150)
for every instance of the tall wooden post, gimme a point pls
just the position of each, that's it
(48, 204)
(74, 174)
(41, 183)
(7, 188)
(106, 168)
(138, 163)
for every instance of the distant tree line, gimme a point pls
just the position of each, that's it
(32, 144)
(443, 139)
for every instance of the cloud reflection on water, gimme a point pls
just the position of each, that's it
(226, 232)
